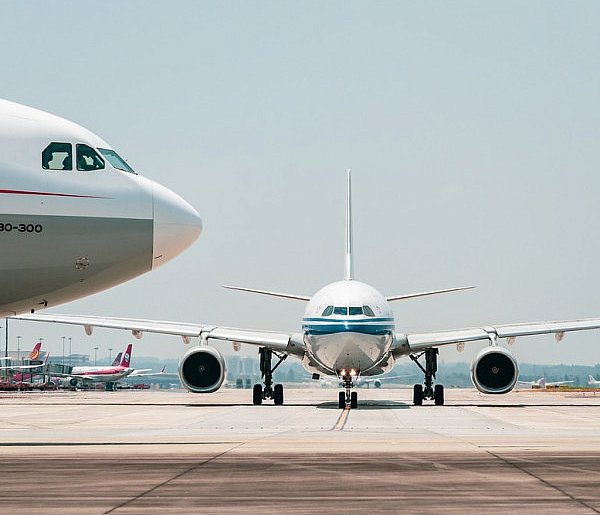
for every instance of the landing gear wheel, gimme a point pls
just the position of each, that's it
(418, 395)
(342, 400)
(438, 395)
(278, 395)
(354, 400)
(257, 394)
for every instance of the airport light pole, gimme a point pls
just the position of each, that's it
(109, 356)
(63, 355)
(19, 348)
(70, 353)
(95, 354)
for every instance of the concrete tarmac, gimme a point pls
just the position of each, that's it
(172, 452)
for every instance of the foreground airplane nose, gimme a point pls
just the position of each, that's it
(176, 225)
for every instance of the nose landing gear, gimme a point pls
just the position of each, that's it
(426, 390)
(348, 397)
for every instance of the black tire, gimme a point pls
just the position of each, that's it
(438, 395)
(278, 394)
(418, 395)
(342, 400)
(354, 400)
(257, 394)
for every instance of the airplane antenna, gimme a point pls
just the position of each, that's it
(348, 263)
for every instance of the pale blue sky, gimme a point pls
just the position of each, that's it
(472, 129)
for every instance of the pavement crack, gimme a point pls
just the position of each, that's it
(544, 481)
(175, 477)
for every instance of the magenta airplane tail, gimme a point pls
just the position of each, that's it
(126, 357)
(117, 359)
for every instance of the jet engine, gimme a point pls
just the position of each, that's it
(494, 370)
(202, 370)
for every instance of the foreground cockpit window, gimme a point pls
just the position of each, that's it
(327, 311)
(368, 311)
(88, 159)
(115, 160)
(57, 156)
(358, 310)
(340, 310)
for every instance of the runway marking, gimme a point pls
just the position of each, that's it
(547, 483)
(341, 421)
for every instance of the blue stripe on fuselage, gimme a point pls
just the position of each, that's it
(374, 326)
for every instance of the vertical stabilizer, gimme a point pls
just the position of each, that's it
(125, 360)
(348, 263)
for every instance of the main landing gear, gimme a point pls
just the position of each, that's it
(268, 391)
(348, 397)
(426, 390)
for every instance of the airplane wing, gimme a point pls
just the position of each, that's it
(143, 372)
(409, 343)
(284, 342)
(559, 383)
(22, 367)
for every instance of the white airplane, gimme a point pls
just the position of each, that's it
(101, 374)
(541, 383)
(75, 218)
(348, 332)
(593, 382)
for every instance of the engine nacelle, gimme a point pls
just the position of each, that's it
(202, 370)
(494, 370)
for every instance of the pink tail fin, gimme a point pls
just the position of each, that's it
(126, 357)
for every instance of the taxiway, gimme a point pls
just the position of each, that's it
(174, 452)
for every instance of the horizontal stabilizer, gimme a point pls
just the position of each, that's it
(425, 293)
(271, 293)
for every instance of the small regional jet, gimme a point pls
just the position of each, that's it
(75, 218)
(541, 383)
(593, 382)
(349, 332)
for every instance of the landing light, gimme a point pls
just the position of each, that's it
(343, 372)
(352, 372)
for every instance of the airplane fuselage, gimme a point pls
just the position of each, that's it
(70, 224)
(348, 328)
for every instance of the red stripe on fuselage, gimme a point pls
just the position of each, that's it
(47, 194)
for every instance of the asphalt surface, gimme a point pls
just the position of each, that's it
(174, 452)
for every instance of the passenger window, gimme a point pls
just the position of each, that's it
(368, 311)
(327, 311)
(355, 310)
(340, 310)
(88, 159)
(57, 156)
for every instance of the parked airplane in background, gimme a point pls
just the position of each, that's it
(75, 218)
(541, 383)
(33, 356)
(348, 331)
(102, 374)
(148, 373)
(593, 382)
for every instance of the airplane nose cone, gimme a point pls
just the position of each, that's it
(176, 225)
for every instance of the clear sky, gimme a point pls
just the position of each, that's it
(472, 129)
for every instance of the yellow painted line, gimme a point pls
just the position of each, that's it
(342, 420)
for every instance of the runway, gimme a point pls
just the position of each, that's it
(166, 452)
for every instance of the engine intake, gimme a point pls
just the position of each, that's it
(202, 370)
(494, 370)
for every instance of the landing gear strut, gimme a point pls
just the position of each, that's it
(426, 390)
(348, 397)
(259, 393)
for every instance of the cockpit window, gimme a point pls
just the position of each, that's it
(358, 310)
(368, 311)
(341, 310)
(115, 160)
(327, 311)
(57, 156)
(88, 159)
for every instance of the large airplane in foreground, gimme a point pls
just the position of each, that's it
(348, 331)
(75, 218)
